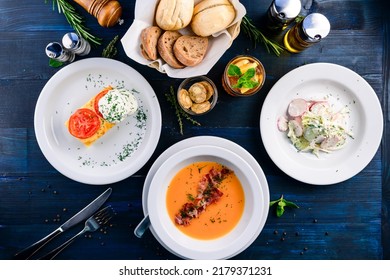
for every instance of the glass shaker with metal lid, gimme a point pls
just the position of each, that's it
(76, 44)
(281, 13)
(55, 51)
(312, 29)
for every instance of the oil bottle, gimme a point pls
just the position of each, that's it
(311, 30)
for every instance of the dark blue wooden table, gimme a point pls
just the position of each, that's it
(348, 220)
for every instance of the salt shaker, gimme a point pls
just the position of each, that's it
(76, 44)
(311, 30)
(281, 13)
(55, 51)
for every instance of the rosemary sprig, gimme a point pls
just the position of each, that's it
(75, 20)
(256, 36)
(171, 97)
(110, 51)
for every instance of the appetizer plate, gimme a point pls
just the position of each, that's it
(123, 150)
(341, 87)
(250, 174)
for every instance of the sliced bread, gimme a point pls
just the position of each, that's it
(190, 50)
(165, 48)
(149, 39)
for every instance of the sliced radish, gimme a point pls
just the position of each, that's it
(282, 123)
(297, 107)
(319, 107)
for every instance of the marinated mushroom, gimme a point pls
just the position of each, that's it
(185, 99)
(198, 93)
(209, 89)
(200, 108)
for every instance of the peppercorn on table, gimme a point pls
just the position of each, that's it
(342, 220)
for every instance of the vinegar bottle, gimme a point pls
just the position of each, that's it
(281, 13)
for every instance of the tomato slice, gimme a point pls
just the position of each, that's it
(97, 98)
(84, 123)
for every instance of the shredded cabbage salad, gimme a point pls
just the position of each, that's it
(314, 126)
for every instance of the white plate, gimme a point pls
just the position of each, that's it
(342, 87)
(218, 143)
(118, 154)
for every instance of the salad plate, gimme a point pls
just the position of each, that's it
(341, 88)
(123, 150)
(194, 145)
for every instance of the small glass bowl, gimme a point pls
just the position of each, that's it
(226, 83)
(197, 108)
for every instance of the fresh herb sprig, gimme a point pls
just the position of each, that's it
(256, 36)
(75, 20)
(280, 204)
(110, 51)
(171, 97)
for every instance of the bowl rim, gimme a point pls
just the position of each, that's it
(244, 233)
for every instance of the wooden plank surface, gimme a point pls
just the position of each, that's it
(348, 220)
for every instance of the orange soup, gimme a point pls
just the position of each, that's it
(224, 211)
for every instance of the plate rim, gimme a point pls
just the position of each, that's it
(319, 69)
(82, 65)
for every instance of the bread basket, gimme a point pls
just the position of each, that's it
(144, 16)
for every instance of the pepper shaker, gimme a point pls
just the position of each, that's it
(76, 44)
(107, 12)
(281, 13)
(311, 30)
(55, 51)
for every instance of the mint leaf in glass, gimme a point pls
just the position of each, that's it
(234, 71)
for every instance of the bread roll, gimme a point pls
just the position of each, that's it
(211, 16)
(190, 50)
(174, 14)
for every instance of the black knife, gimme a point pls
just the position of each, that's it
(79, 217)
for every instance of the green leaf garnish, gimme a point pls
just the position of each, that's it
(234, 71)
(280, 204)
(55, 63)
(245, 81)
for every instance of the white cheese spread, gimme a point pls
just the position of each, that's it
(117, 104)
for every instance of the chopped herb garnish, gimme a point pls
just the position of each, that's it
(190, 197)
